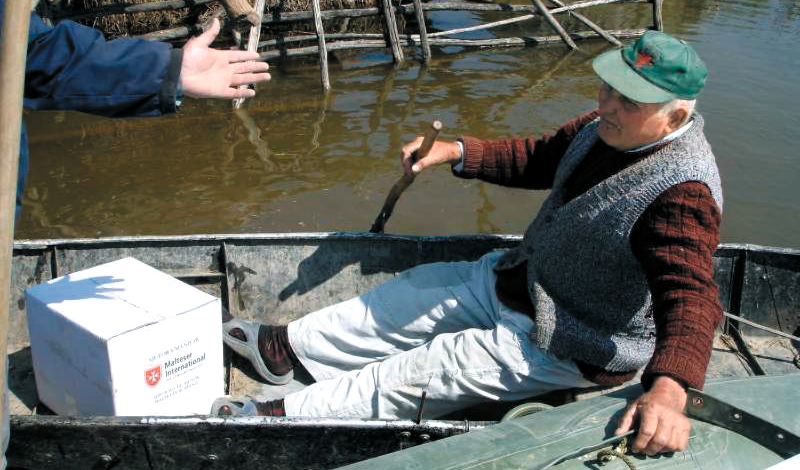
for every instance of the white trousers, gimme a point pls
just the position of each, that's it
(436, 327)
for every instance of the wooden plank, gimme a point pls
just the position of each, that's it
(555, 24)
(493, 24)
(499, 42)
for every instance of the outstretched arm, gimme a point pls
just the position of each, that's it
(674, 241)
(139, 77)
(526, 163)
(215, 73)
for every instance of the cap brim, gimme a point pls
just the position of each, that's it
(611, 67)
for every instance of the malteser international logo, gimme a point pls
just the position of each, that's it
(152, 376)
(172, 362)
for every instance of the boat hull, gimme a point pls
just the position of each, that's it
(532, 441)
(275, 278)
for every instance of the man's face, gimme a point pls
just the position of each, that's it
(626, 124)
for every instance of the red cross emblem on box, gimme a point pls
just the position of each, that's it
(152, 376)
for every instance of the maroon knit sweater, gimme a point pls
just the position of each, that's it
(674, 240)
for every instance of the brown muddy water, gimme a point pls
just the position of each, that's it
(297, 160)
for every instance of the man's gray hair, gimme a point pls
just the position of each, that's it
(671, 106)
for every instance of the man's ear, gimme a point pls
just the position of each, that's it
(677, 117)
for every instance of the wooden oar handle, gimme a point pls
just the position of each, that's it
(429, 139)
(405, 180)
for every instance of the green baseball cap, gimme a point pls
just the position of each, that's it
(655, 69)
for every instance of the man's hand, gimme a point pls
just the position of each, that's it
(441, 152)
(214, 73)
(662, 425)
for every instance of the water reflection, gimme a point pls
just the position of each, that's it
(254, 137)
(297, 159)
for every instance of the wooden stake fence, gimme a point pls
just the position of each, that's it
(396, 40)
(591, 25)
(555, 24)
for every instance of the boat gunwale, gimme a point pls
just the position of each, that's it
(439, 425)
(32, 244)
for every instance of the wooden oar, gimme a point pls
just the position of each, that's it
(406, 180)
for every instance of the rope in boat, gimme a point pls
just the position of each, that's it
(606, 455)
(761, 327)
(794, 339)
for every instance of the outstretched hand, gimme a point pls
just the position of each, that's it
(662, 425)
(441, 152)
(214, 73)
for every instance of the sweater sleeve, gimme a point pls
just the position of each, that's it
(523, 163)
(675, 240)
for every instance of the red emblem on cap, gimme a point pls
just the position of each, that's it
(643, 59)
(152, 376)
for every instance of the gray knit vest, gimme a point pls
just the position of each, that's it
(590, 293)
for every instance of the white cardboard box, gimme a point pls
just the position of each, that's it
(125, 339)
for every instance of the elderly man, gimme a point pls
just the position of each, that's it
(613, 275)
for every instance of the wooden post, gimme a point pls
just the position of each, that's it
(658, 9)
(423, 31)
(13, 47)
(252, 41)
(554, 23)
(323, 51)
(391, 26)
(597, 29)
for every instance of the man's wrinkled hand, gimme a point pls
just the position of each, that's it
(662, 425)
(441, 152)
(214, 73)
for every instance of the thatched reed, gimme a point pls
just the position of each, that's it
(95, 13)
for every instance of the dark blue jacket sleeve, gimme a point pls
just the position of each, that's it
(73, 67)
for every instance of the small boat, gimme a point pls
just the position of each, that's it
(575, 436)
(276, 278)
